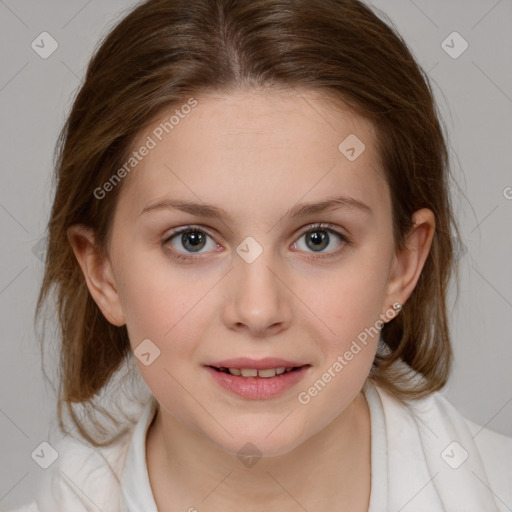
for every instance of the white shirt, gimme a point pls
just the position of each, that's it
(426, 457)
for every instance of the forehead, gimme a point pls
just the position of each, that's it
(254, 148)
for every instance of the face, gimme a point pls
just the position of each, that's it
(265, 277)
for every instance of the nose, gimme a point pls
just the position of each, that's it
(259, 299)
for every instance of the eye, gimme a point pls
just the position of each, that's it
(319, 236)
(192, 239)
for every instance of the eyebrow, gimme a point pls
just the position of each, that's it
(299, 210)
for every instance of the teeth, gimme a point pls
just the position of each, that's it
(249, 372)
(252, 372)
(270, 372)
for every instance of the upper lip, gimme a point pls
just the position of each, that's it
(258, 364)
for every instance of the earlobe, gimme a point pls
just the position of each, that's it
(409, 261)
(97, 271)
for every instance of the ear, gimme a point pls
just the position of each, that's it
(98, 273)
(409, 261)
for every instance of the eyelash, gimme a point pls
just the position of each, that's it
(314, 227)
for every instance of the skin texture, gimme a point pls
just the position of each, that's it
(256, 154)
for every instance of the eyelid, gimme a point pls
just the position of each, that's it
(188, 227)
(321, 225)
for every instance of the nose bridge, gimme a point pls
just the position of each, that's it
(257, 275)
(259, 298)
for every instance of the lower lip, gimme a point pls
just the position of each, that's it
(258, 388)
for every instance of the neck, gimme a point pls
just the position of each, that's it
(334, 464)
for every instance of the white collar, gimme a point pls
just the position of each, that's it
(136, 494)
(408, 472)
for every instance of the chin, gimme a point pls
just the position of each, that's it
(253, 439)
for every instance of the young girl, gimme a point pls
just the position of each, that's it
(252, 214)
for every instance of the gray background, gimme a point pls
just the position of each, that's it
(474, 93)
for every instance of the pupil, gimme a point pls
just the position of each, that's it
(193, 240)
(320, 239)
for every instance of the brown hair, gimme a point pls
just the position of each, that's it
(165, 51)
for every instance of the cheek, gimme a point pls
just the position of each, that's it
(173, 310)
(350, 307)
(347, 300)
(150, 309)
(155, 296)
(171, 316)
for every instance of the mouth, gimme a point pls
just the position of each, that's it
(264, 373)
(257, 380)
